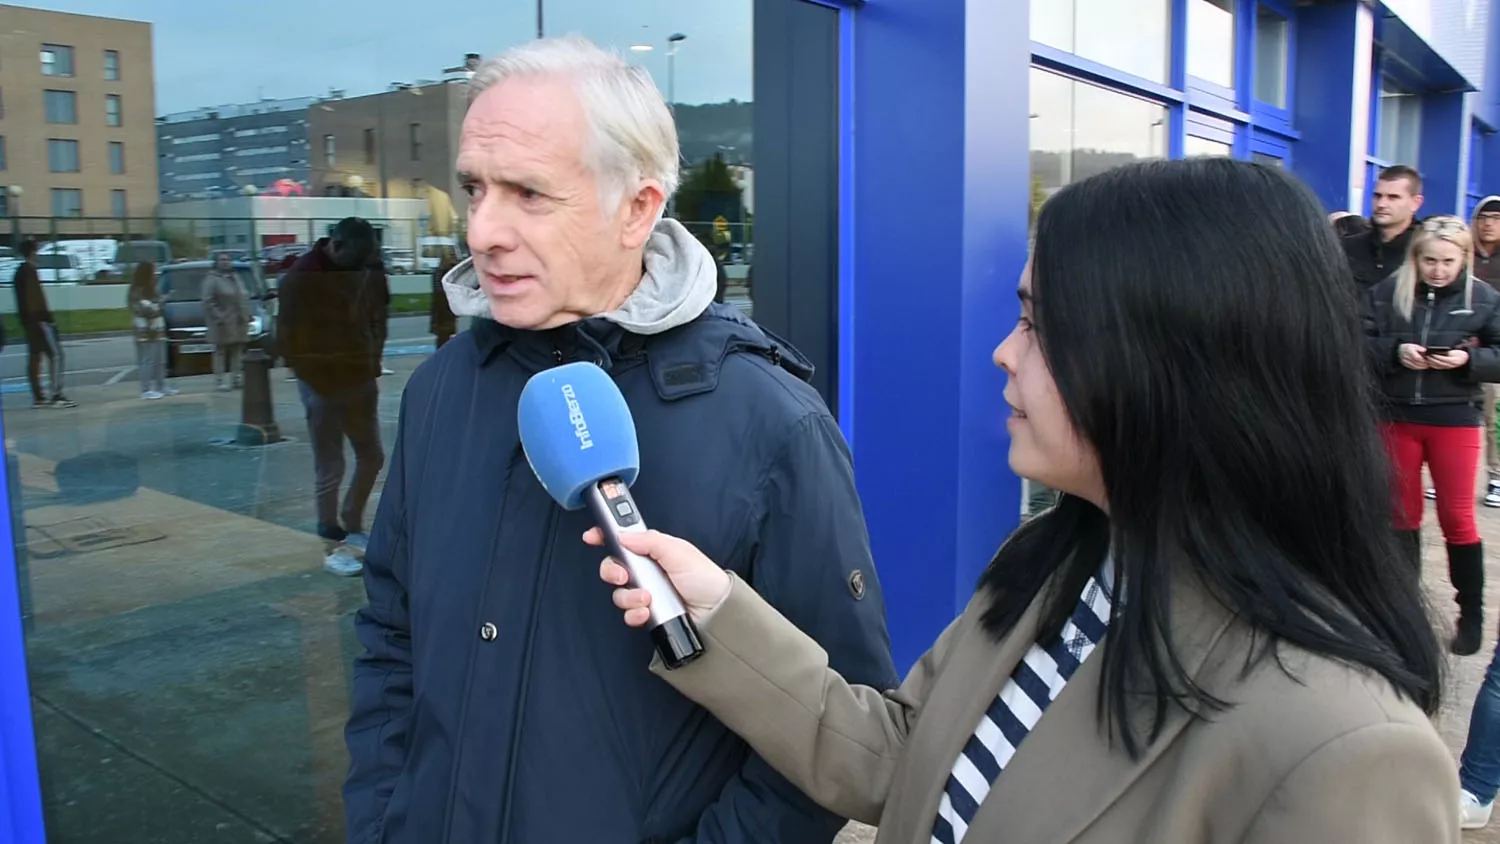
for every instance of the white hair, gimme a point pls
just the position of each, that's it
(631, 132)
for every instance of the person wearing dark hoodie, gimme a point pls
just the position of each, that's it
(1486, 229)
(497, 697)
(1434, 338)
(42, 338)
(1377, 254)
(331, 329)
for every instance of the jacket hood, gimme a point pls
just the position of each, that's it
(678, 284)
(1479, 206)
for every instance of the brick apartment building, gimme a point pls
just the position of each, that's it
(77, 106)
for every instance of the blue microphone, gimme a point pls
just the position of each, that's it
(579, 438)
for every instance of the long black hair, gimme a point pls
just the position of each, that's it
(1203, 330)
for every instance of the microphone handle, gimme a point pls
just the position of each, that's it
(672, 630)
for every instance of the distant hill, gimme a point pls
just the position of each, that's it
(704, 130)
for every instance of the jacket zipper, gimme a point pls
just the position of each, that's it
(1426, 324)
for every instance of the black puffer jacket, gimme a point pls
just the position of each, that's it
(1461, 315)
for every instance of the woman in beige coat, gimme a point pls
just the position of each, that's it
(1211, 637)
(226, 314)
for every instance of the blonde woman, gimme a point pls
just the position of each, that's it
(145, 302)
(1434, 334)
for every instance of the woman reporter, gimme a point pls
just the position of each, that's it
(1263, 669)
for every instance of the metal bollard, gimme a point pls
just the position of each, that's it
(257, 412)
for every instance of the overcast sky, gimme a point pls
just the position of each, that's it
(216, 52)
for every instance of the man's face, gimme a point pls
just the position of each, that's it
(547, 253)
(1394, 205)
(1487, 229)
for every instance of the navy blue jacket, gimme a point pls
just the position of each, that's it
(501, 700)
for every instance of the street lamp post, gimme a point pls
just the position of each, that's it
(539, 28)
(15, 192)
(672, 42)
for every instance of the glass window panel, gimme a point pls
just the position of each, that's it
(1272, 42)
(117, 203)
(111, 65)
(1130, 35)
(1210, 42)
(1267, 158)
(1400, 138)
(1195, 147)
(1078, 130)
(112, 113)
(67, 202)
(60, 106)
(116, 158)
(62, 156)
(57, 60)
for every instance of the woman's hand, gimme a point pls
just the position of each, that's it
(699, 581)
(1451, 360)
(1412, 356)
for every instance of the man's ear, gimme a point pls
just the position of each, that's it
(641, 212)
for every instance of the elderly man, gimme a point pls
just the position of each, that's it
(499, 699)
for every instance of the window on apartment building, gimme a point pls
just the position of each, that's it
(111, 66)
(2, 106)
(328, 150)
(61, 106)
(4, 201)
(116, 158)
(67, 202)
(369, 146)
(415, 141)
(2, 153)
(62, 156)
(113, 115)
(117, 203)
(57, 60)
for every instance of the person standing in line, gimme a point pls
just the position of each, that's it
(331, 326)
(442, 322)
(1380, 252)
(143, 298)
(226, 314)
(42, 338)
(1434, 340)
(1486, 229)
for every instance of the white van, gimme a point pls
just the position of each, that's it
(75, 260)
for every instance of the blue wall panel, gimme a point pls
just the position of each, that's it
(1323, 100)
(940, 176)
(1443, 129)
(20, 793)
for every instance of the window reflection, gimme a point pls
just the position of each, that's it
(1131, 35)
(180, 625)
(1210, 48)
(1196, 147)
(1400, 124)
(1272, 40)
(1079, 130)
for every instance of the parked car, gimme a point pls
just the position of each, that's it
(188, 349)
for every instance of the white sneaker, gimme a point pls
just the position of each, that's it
(342, 562)
(1492, 495)
(1431, 493)
(360, 542)
(152, 395)
(171, 391)
(1471, 813)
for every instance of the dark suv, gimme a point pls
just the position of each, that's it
(188, 349)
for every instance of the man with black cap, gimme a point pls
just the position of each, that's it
(331, 328)
(1374, 256)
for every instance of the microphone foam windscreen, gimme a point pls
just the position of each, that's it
(577, 430)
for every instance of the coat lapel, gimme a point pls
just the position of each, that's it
(1067, 762)
(971, 680)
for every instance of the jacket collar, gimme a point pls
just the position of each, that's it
(683, 361)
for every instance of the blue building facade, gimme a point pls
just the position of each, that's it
(899, 163)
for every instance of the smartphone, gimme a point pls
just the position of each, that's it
(1437, 350)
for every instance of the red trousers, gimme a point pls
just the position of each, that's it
(1452, 457)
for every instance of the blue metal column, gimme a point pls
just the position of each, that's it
(1323, 100)
(20, 792)
(940, 179)
(1444, 126)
